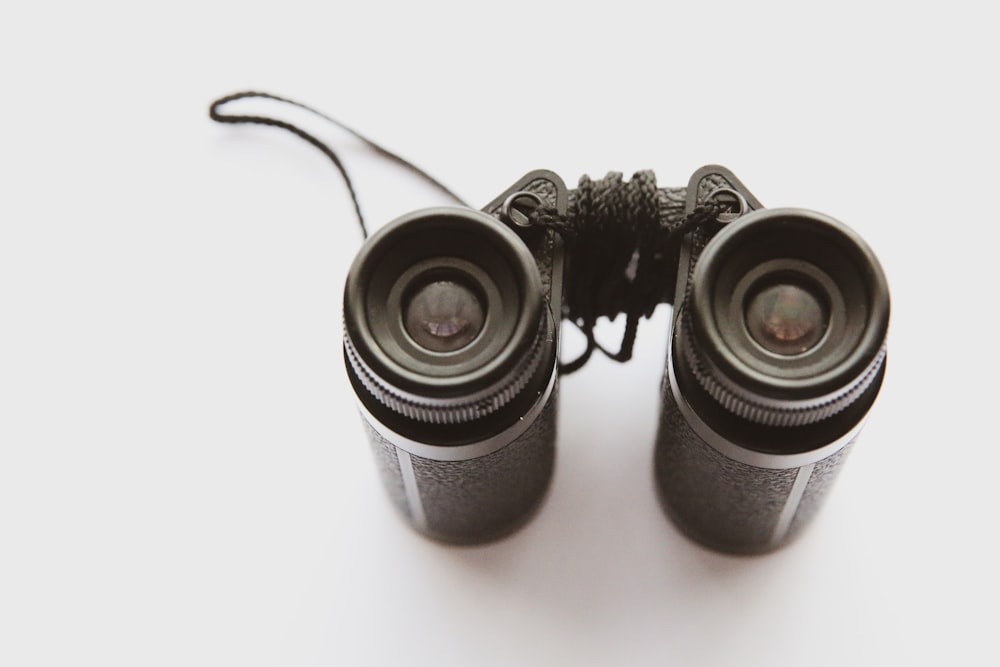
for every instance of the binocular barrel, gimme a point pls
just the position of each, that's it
(450, 342)
(777, 352)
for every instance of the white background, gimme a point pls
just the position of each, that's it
(183, 476)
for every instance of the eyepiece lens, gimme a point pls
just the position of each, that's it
(444, 316)
(786, 319)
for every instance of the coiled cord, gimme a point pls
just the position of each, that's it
(619, 252)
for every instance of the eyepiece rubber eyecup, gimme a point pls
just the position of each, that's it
(786, 245)
(470, 248)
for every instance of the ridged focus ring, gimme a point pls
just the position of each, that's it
(451, 410)
(760, 409)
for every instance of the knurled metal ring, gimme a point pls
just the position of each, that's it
(762, 410)
(510, 213)
(728, 216)
(451, 410)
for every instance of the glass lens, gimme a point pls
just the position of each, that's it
(444, 316)
(786, 319)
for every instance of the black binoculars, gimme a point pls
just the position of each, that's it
(777, 352)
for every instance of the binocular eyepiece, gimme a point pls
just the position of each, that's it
(777, 353)
(787, 319)
(451, 323)
(447, 329)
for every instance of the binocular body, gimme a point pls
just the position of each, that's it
(748, 446)
(777, 351)
(464, 438)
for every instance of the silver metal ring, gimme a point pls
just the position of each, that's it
(510, 213)
(740, 200)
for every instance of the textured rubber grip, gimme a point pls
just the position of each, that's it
(728, 505)
(475, 500)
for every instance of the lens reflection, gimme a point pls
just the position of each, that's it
(444, 316)
(786, 319)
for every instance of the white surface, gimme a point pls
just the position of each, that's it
(183, 478)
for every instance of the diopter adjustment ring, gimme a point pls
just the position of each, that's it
(458, 410)
(761, 409)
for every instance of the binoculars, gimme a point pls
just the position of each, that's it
(777, 352)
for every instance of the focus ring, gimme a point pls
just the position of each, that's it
(760, 409)
(451, 410)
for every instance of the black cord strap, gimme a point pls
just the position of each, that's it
(619, 250)
(215, 113)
